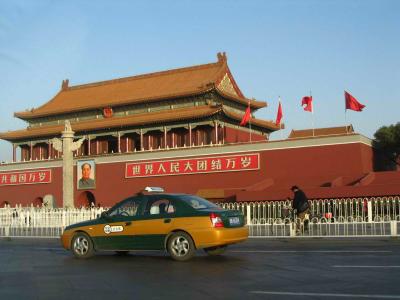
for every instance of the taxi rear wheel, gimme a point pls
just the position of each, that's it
(214, 251)
(82, 245)
(180, 246)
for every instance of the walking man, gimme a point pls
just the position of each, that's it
(301, 205)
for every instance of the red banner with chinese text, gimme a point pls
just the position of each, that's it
(230, 163)
(25, 177)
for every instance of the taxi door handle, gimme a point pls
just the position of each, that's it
(167, 220)
(128, 223)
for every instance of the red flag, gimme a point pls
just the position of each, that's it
(306, 102)
(279, 115)
(246, 117)
(352, 103)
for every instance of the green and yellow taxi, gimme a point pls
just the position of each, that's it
(178, 223)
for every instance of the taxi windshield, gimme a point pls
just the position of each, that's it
(197, 202)
(128, 207)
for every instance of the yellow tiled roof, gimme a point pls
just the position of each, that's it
(141, 89)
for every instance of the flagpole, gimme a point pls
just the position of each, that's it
(280, 123)
(279, 116)
(312, 115)
(250, 127)
(248, 106)
(345, 112)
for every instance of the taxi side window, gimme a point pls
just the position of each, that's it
(196, 204)
(159, 206)
(129, 208)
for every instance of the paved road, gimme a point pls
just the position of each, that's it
(257, 269)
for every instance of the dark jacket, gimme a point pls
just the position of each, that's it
(300, 200)
(86, 183)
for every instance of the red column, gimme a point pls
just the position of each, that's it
(31, 151)
(165, 137)
(14, 153)
(119, 142)
(141, 139)
(190, 135)
(223, 135)
(23, 154)
(216, 131)
(49, 150)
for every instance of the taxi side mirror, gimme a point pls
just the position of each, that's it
(104, 215)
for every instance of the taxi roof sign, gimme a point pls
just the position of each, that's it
(154, 189)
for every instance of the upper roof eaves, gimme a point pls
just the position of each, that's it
(186, 113)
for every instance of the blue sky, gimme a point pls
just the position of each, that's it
(275, 48)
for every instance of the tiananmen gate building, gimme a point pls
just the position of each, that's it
(179, 129)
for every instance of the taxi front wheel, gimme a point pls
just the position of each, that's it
(180, 246)
(82, 245)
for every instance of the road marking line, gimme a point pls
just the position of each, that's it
(326, 295)
(339, 266)
(310, 251)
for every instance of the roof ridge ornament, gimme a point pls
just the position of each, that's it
(64, 84)
(222, 57)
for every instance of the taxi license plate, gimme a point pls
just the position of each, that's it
(234, 221)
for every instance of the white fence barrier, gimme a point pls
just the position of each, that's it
(345, 209)
(41, 222)
(349, 217)
(321, 229)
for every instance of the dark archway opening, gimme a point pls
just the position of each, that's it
(86, 199)
(4, 204)
(113, 146)
(38, 202)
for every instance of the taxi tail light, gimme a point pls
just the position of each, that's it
(216, 220)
